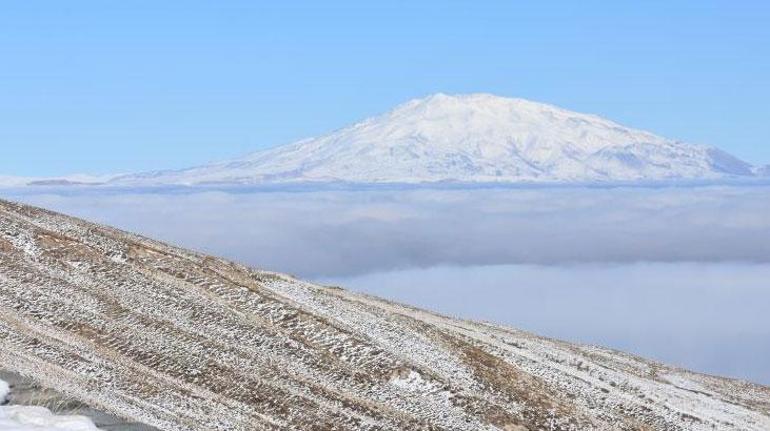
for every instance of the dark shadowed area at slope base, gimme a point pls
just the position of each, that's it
(26, 392)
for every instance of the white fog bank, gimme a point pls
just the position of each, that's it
(338, 233)
(707, 317)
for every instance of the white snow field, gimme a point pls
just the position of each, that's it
(33, 418)
(472, 138)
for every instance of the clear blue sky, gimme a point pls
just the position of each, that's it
(106, 86)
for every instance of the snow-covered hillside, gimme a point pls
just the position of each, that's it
(188, 342)
(470, 138)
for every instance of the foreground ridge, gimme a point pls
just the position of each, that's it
(184, 341)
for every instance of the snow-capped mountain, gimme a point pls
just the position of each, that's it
(470, 138)
(187, 342)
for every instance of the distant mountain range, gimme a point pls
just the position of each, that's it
(476, 138)
(69, 180)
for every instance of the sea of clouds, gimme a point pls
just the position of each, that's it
(339, 233)
(674, 273)
(710, 317)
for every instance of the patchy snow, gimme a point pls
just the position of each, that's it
(416, 384)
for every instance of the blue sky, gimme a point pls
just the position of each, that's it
(95, 86)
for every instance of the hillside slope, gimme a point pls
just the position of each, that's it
(184, 341)
(469, 138)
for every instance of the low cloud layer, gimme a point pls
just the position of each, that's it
(325, 233)
(679, 274)
(708, 317)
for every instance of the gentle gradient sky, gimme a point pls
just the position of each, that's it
(95, 86)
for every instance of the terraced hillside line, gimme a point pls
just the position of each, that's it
(184, 341)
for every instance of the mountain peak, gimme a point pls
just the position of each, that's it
(476, 137)
(487, 102)
(480, 102)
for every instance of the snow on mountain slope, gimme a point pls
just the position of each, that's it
(470, 138)
(188, 342)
